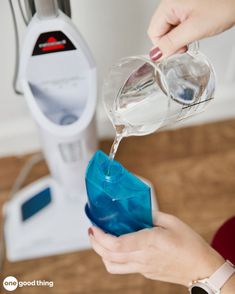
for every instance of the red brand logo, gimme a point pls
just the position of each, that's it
(52, 44)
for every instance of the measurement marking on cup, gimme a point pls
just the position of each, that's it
(191, 105)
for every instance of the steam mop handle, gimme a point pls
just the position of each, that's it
(46, 8)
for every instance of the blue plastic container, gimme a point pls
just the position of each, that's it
(118, 202)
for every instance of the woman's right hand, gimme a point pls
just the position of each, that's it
(177, 23)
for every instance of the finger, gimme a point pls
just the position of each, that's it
(163, 21)
(179, 37)
(125, 243)
(115, 257)
(121, 269)
(136, 241)
(161, 30)
(156, 53)
(165, 220)
(159, 24)
(182, 50)
(106, 240)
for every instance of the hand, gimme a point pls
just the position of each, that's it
(171, 252)
(177, 23)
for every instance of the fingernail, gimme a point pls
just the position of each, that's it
(155, 54)
(90, 232)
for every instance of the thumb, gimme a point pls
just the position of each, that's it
(165, 220)
(176, 39)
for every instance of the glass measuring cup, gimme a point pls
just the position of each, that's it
(141, 96)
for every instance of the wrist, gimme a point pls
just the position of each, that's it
(221, 281)
(206, 265)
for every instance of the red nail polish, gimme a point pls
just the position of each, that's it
(155, 54)
(90, 232)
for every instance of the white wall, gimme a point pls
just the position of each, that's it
(113, 29)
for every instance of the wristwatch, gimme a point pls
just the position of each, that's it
(214, 284)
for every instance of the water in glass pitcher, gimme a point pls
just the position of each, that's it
(140, 106)
(137, 111)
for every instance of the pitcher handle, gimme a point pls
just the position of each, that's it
(193, 47)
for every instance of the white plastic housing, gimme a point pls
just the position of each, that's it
(57, 85)
(58, 79)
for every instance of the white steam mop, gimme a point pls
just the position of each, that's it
(58, 79)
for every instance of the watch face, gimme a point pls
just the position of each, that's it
(198, 290)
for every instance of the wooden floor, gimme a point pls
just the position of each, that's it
(193, 172)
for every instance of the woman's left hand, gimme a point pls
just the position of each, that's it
(170, 252)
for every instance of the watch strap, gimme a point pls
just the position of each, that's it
(222, 275)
